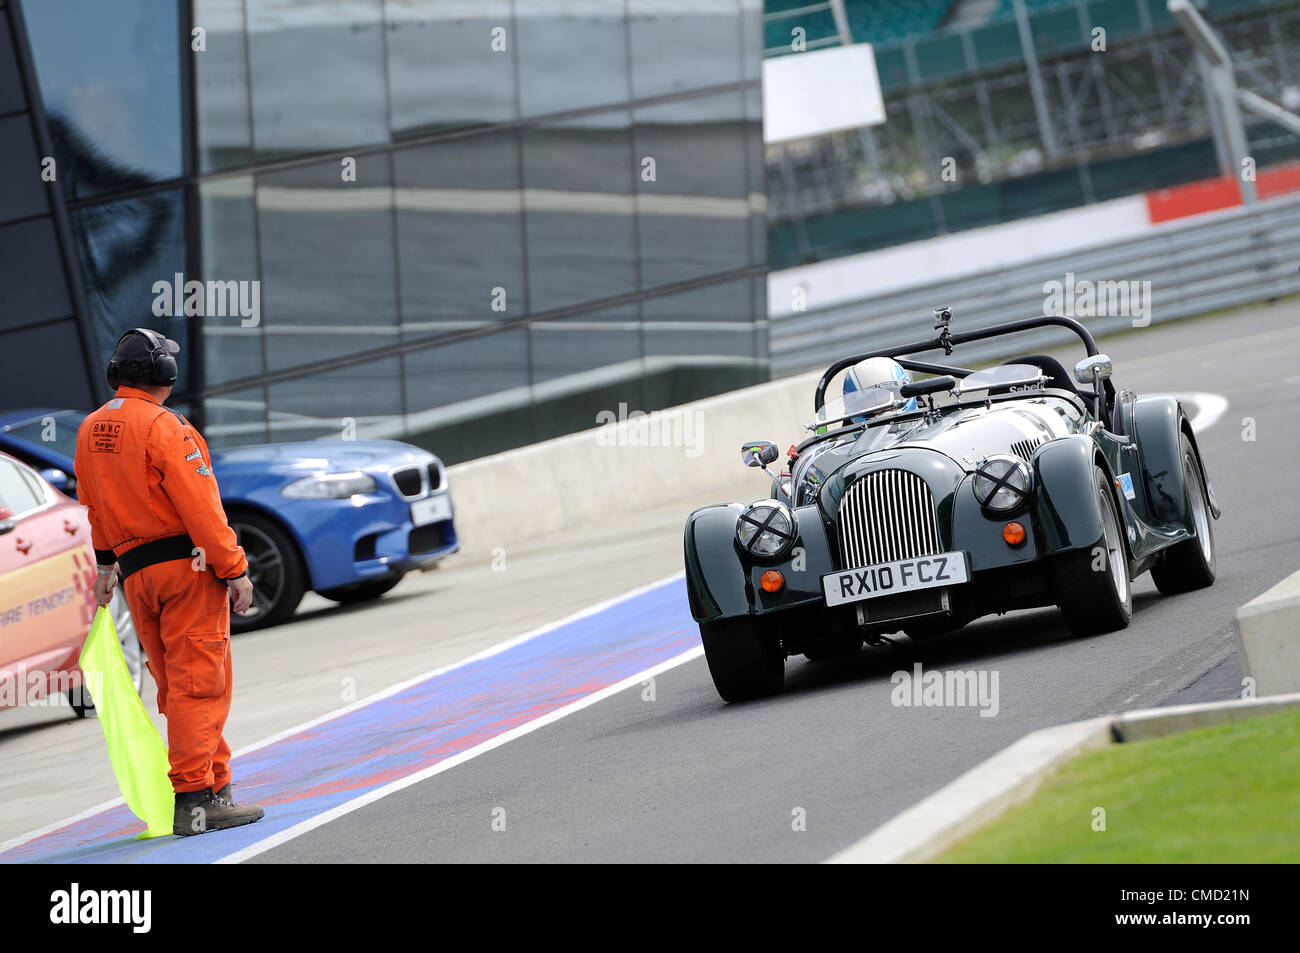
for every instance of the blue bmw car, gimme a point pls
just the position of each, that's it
(345, 518)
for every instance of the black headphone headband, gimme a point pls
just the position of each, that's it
(162, 365)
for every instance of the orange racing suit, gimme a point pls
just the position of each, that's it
(145, 476)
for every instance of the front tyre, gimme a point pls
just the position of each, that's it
(1092, 586)
(745, 658)
(80, 700)
(1190, 564)
(274, 568)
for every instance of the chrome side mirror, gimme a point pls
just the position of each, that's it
(759, 453)
(1093, 370)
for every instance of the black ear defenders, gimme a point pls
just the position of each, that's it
(162, 364)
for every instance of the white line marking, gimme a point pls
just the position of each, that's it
(1208, 408)
(378, 696)
(288, 834)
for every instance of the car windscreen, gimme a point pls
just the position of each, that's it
(53, 433)
(858, 403)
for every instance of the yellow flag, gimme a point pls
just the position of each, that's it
(136, 750)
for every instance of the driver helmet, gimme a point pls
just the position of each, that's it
(878, 370)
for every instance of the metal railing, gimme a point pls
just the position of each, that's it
(1236, 257)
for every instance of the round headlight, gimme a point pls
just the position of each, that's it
(1002, 483)
(766, 528)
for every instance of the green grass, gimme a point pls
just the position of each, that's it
(1229, 794)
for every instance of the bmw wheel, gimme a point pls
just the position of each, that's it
(745, 659)
(1190, 564)
(1092, 586)
(274, 568)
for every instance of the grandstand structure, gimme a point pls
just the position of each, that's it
(996, 113)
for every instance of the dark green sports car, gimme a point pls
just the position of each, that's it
(921, 506)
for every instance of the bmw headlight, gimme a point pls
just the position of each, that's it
(330, 486)
(1002, 483)
(766, 528)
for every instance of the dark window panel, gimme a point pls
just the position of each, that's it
(492, 366)
(329, 284)
(110, 80)
(701, 341)
(713, 324)
(318, 76)
(676, 47)
(587, 350)
(12, 97)
(460, 232)
(320, 405)
(230, 350)
(468, 398)
(583, 366)
(694, 218)
(721, 301)
(23, 192)
(757, 166)
(751, 19)
(579, 211)
(224, 129)
(32, 282)
(443, 72)
(235, 419)
(49, 372)
(572, 55)
(125, 247)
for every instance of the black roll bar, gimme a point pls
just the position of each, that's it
(942, 341)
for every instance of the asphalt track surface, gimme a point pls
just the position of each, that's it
(556, 748)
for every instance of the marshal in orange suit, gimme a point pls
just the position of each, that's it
(144, 475)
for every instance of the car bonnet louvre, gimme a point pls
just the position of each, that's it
(1025, 448)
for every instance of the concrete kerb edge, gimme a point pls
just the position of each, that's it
(1013, 775)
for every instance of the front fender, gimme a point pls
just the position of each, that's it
(722, 582)
(1065, 497)
(715, 580)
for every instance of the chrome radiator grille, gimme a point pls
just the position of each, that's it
(887, 515)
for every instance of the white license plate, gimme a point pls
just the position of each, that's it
(431, 510)
(887, 579)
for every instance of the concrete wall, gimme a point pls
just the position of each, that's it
(591, 478)
(1268, 638)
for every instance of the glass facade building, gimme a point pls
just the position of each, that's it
(469, 224)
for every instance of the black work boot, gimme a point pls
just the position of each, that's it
(201, 811)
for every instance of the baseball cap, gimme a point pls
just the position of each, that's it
(137, 347)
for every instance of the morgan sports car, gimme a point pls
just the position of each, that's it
(920, 506)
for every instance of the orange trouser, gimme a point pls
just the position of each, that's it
(183, 620)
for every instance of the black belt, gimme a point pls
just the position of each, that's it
(158, 551)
